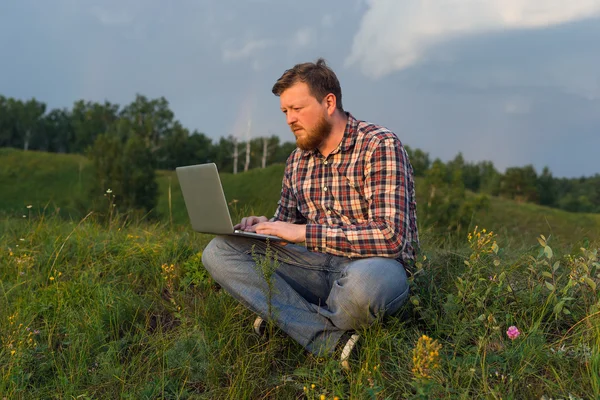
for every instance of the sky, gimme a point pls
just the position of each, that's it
(516, 82)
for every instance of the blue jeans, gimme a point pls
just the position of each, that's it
(315, 297)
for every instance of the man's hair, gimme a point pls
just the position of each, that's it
(321, 81)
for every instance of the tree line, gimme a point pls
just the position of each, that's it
(522, 184)
(27, 125)
(126, 144)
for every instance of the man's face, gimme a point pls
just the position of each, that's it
(306, 117)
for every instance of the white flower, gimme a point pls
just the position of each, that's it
(108, 191)
(29, 206)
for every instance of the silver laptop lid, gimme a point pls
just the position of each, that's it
(204, 198)
(205, 201)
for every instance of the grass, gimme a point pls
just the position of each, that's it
(55, 182)
(62, 182)
(97, 308)
(93, 309)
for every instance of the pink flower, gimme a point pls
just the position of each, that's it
(513, 332)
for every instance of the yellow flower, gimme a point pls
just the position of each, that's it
(51, 278)
(312, 386)
(426, 357)
(322, 397)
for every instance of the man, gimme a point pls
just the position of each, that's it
(348, 195)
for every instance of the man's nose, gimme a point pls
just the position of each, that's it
(291, 117)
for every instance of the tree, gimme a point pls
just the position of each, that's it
(175, 150)
(223, 153)
(269, 145)
(546, 187)
(59, 131)
(6, 123)
(106, 157)
(455, 165)
(152, 120)
(89, 120)
(520, 184)
(202, 148)
(490, 178)
(419, 160)
(140, 190)
(471, 176)
(446, 208)
(180, 148)
(235, 154)
(127, 170)
(23, 122)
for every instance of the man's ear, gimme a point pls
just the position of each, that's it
(330, 103)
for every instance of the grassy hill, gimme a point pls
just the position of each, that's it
(44, 180)
(98, 309)
(63, 182)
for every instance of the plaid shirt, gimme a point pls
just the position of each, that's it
(357, 202)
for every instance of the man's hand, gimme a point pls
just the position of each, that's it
(292, 233)
(248, 223)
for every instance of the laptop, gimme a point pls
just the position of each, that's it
(206, 204)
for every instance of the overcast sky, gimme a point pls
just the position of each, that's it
(512, 81)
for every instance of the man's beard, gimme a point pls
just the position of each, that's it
(314, 137)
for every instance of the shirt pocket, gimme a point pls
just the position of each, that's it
(351, 204)
(354, 189)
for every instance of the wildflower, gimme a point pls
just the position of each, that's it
(51, 278)
(322, 397)
(426, 357)
(312, 386)
(29, 206)
(109, 191)
(513, 332)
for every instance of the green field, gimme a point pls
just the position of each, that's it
(62, 183)
(96, 308)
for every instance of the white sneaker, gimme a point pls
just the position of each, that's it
(347, 350)
(260, 326)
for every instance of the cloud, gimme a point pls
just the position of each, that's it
(304, 37)
(107, 17)
(395, 35)
(327, 21)
(255, 49)
(247, 50)
(518, 106)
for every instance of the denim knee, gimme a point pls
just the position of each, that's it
(375, 286)
(213, 256)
